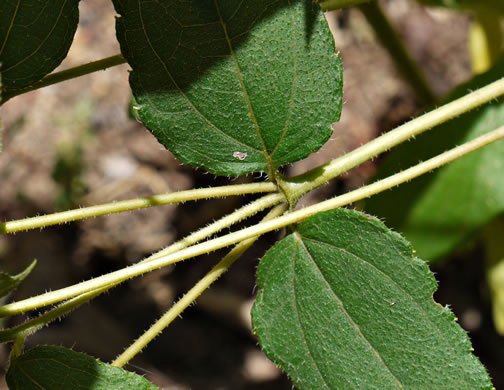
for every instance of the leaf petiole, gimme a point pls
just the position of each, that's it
(192, 294)
(108, 281)
(133, 204)
(261, 228)
(67, 74)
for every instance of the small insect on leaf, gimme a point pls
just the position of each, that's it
(240, 155)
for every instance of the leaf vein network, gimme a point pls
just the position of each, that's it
(41, 43)
(300, 238)
(181, 92)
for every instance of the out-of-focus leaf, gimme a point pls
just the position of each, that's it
(344, 304)
(494, 248)
(441, 211)
(50, 367)
(234, 87)
(34, 38)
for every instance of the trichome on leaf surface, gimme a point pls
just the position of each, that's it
(235, 88)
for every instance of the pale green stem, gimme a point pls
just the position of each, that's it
(226, 221)
(294, 187)
(17, 348)
(332, 5)
(67, 74)
(261, 228)
(33, 325)
(191, 296)
(27, 328)
(298, 186)
(134, 204)
(53, 297)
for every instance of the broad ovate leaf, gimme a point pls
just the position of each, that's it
(9, 283)
(51, 367)
(34, 38)
(232, 86)
(343, 303)
(442, 210)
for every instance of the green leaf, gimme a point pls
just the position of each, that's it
(34, 38)
(9, 283)
(344, 304)
(232, 86)
(50, 367)
(440, 211)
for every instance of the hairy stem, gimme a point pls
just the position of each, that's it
(226, 221)
(261, 228)
(27, 328)
(192, 294)
(108, 281)
(294, 187)
(406, 65)
(133, 204)
(67, 74)
(298, 186)
(35, 324)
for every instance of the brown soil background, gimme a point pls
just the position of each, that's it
(72, 144)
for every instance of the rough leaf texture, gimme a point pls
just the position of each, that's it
(344, 304)
(49, 367)
(232, 86)
(34, 38)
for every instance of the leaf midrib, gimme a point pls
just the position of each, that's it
(239, 74)
(179, 90)
(424, 313)
(10, 28)
(300, 238)
(42, 43)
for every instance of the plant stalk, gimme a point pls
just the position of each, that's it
(67, 74)
(226, 221)
(27, 328)
(133, 204)
(193, 294)
(298, 186)
(56, 296)
(261, 228)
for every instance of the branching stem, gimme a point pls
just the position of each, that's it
(192, 294)
(300, 185)
(261, 228)
(31, 326)
(133, 204)
(67, 74)
(112, 279)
